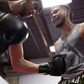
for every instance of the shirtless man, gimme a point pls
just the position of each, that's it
(9, 10)
(22, 8)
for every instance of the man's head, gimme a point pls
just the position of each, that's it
(30, 7)
(60, 14)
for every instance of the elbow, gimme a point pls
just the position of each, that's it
(15, 68)
(17, 65)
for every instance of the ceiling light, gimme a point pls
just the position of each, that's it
(50, 3)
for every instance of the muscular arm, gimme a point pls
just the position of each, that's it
(20, 64)
(18, 61)
(81, 30)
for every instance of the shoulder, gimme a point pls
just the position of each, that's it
(81, 29)
(81, 24)
(55, 44)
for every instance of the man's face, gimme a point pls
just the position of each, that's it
(58, 16)
(29, 8)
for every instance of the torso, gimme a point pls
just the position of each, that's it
(72, 46)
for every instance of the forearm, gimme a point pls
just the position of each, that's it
(26, 66)
(56, 66)
(18, 62)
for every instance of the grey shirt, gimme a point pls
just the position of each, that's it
(73, 48)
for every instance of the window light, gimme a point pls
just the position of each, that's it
(50, 3)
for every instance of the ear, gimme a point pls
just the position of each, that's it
(68, 12)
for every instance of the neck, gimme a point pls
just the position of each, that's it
(66, 28)
(15, 6)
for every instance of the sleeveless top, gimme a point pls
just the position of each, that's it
(4, 7)
(72, 48)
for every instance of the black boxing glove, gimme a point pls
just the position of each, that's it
(3, 45)
(56, 66)
(15, 31)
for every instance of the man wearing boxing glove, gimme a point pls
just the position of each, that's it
(11, 33)
(23, 8)
(11, 27)
(70, 44)
(52, 67)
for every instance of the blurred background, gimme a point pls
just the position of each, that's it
(42, 35)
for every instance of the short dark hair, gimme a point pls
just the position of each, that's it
(41, 5)
(67, 7)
